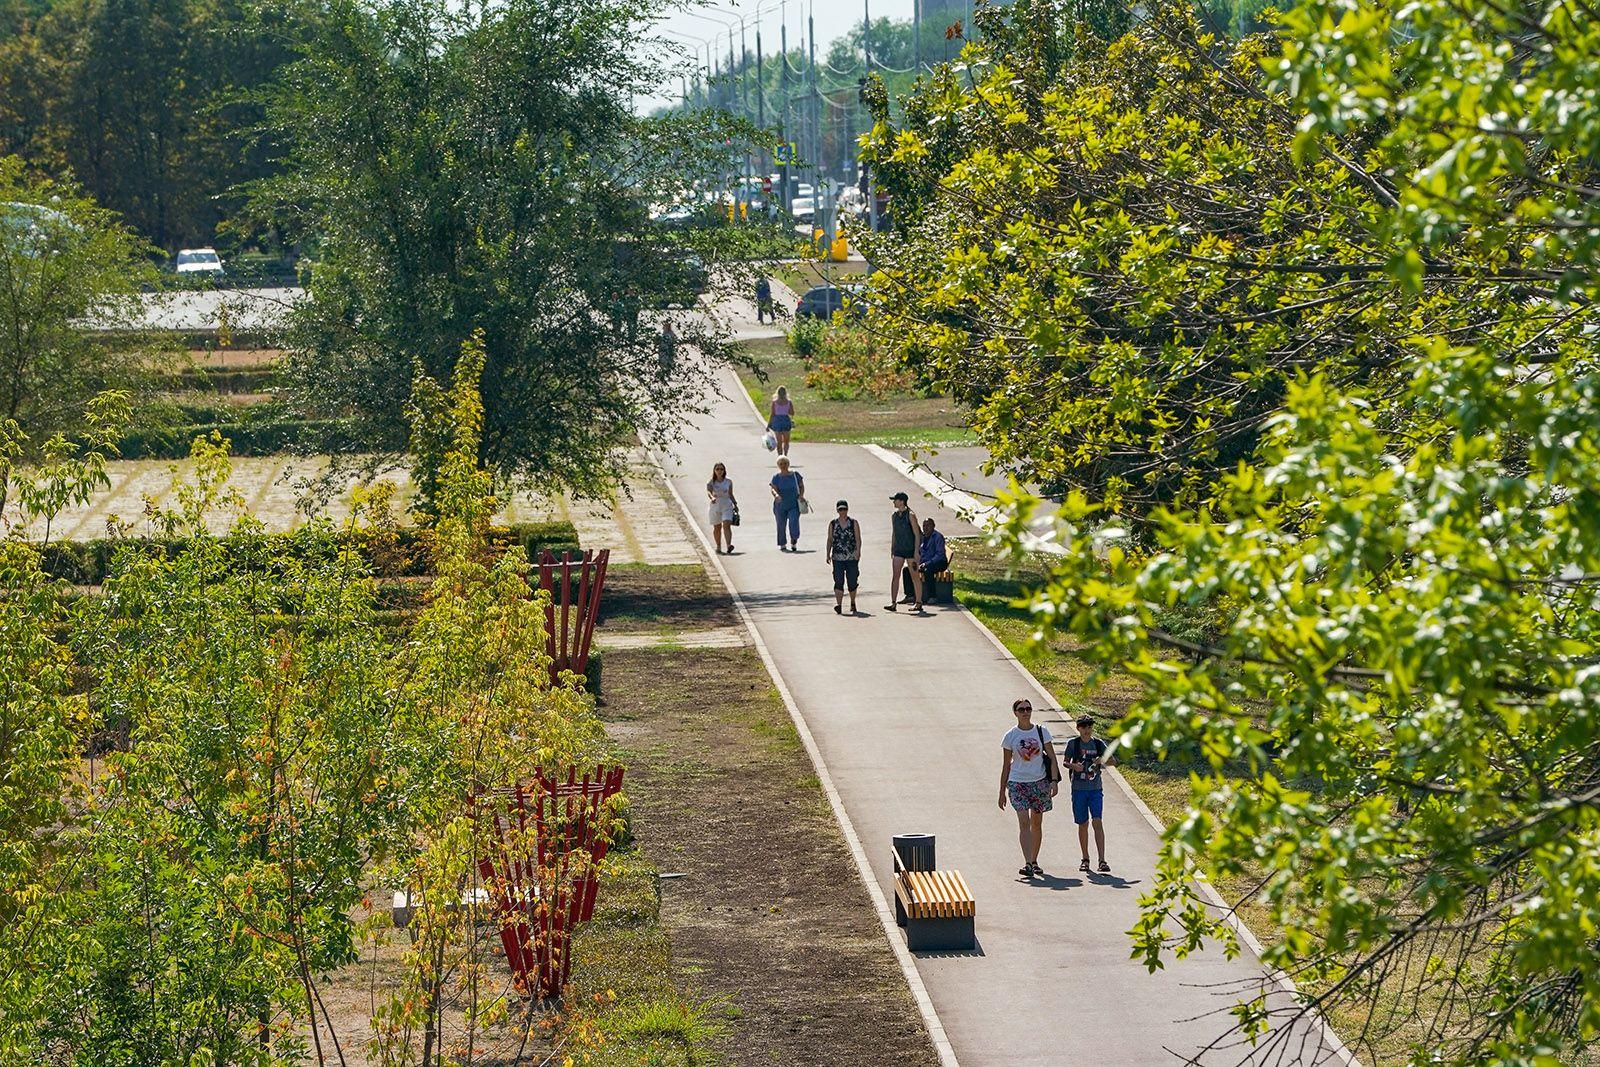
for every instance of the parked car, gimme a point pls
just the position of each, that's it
(823, 301)
(200, 261)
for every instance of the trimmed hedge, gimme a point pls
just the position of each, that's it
(406, 553)
(245, 438)
(215, 380)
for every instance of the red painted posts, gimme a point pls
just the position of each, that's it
(542, 894)
(568, 643)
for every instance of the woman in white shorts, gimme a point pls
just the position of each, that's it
(721, 507)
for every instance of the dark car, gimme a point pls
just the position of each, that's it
(821, 301)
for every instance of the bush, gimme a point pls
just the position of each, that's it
(806, 336)
(852, 364)
(241, 380)
(403, 553)
(245, 438)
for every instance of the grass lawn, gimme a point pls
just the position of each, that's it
(642, 598)
(765, 917)
(905, 421)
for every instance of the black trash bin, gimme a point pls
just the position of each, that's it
(913, 852)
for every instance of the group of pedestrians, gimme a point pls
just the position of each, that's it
(917, 550)
(1030, 774)
(1030, 779)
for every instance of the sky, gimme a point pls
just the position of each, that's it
(696, 23)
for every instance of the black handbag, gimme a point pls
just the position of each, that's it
(735, 520)
(1052, 769)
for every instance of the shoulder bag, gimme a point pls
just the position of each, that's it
(1052, 769)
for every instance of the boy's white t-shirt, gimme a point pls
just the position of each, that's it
(1027, 757)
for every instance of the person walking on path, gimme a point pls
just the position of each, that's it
(667, 350)
(844, 552)
(780, 419)
(764, 300)
(1086, 758)
(933, 559)
(1025, 781)
(788, 490)
(722, 508)
(905, 537)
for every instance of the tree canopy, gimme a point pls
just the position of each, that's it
(1304, 327)
(480, 170)
(70, 314)
(145, 103)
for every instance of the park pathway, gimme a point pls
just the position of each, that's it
(907, 714)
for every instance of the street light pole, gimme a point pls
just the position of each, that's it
(783, 85)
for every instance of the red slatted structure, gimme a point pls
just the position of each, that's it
(543, 892)
(573, 608)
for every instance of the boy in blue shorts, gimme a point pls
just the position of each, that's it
(1086, 758)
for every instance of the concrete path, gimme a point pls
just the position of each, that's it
(907, 713)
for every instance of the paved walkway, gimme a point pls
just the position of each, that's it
(908, 713)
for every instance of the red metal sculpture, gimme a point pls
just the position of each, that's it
(568, 643)
(544, 892)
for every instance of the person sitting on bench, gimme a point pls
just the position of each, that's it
(932, 559)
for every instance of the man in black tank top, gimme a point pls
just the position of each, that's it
(905, 537)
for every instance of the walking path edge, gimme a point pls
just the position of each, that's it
(919, 993)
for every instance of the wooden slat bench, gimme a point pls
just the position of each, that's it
(936, 908)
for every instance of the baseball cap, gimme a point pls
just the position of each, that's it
(1085, 720)
(841, 504)
(900, 496)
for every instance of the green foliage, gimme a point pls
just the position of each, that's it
(273, 760)
(405, 552)
(42, 728)
(852, 364)
(465, 172)
(65, 264)
(806, 336)
(145, 103)
(1308, 323)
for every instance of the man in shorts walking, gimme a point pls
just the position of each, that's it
(1086, 759)
(1025, 782)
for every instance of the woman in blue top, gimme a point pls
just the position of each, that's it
(780, 419)
(788, 489)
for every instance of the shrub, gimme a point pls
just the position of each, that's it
(402, 553)
(806, 336)
(853, 364)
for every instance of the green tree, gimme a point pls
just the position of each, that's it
(145, 102)
(480, 169)
(70, 310)
(1367, 250)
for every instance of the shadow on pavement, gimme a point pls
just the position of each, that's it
(1050, 881)
(977, 950)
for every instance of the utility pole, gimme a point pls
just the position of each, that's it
(916, 35)
(847, 152)
(783, 82)
(761, 118)
(816, 108)
(745, 193)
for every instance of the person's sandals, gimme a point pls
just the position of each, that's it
(1026, 870)
(890, 607)
(1105, 868)
(838, 609)
(1084, 866)
(1037, 869)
